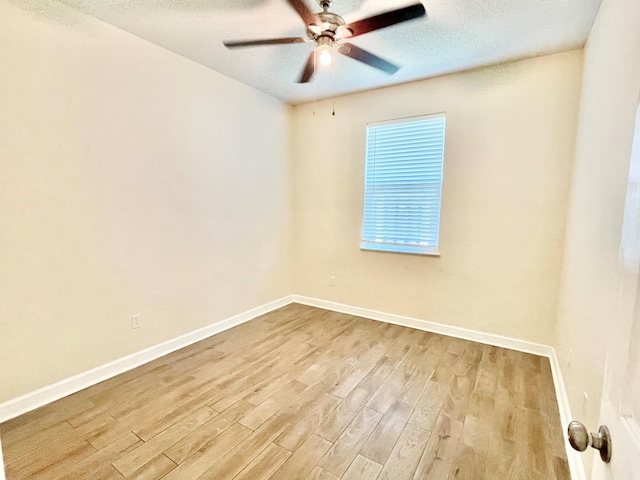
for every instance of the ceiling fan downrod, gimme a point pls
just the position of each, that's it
(325, 4)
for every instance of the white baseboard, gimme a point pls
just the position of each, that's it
(576, 465)
(43, 396)
(575, 460)
(50, 393)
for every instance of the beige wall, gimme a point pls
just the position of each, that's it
(127, 185)
(509, 147)
(594, 280)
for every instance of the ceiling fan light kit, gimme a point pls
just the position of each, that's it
(324, 48)
(328, 30)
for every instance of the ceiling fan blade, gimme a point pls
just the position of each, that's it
(271, 41)
(386, 19)
(308, 17)
(369, 58)
(307, 73)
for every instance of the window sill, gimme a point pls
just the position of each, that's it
(405, 250)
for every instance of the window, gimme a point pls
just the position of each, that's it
(403, 183)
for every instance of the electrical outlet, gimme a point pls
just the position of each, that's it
(332, 281)
(135, 321)
(570, 358)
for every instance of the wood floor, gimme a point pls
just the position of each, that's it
(303, 393)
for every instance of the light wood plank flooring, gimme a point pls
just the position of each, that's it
(304, 393)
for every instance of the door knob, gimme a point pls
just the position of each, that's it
(580, 439)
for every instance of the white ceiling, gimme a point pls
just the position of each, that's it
(455, 35)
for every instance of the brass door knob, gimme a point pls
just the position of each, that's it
(580, 439)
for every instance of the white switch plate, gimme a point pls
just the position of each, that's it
(135, 321)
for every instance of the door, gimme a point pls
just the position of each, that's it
(620, 406)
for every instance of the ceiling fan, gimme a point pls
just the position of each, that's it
(328, 30)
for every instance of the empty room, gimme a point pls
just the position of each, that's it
(319, 240)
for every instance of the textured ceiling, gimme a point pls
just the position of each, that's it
(455, 35)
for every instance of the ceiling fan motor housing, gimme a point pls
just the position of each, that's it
(330, 24)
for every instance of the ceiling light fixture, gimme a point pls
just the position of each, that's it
(325, 50)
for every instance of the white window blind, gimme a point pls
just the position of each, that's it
(403, 184)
